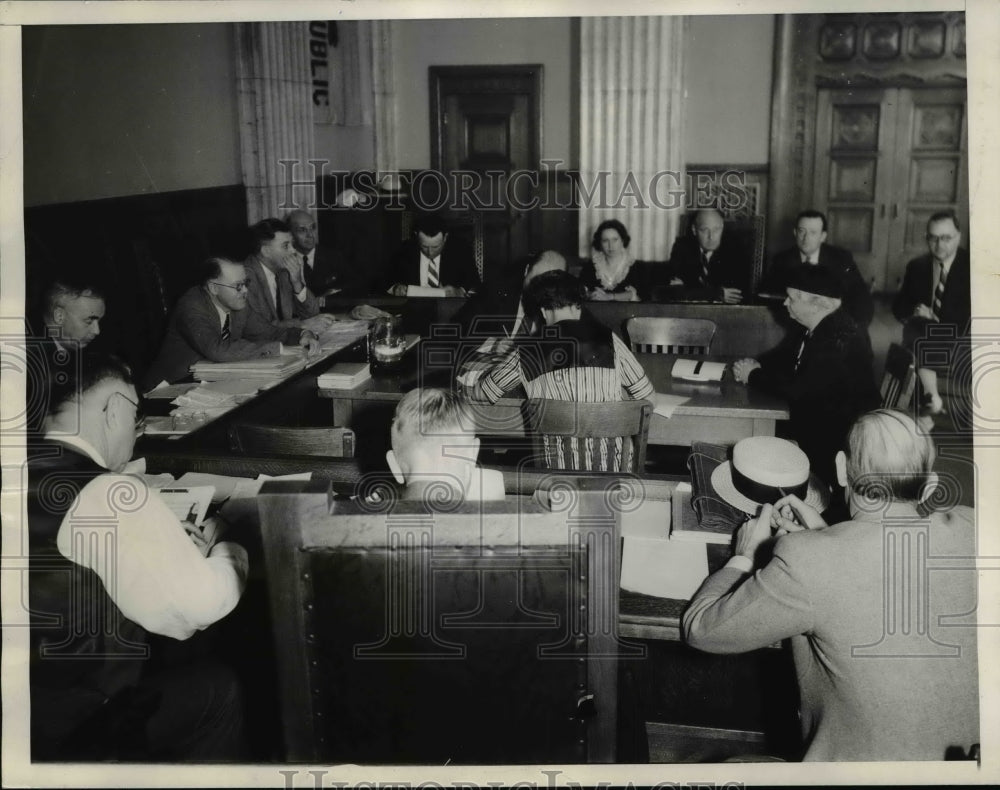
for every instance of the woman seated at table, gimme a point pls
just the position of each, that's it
(613, 274)
(577, 358)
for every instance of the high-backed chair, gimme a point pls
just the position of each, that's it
(670, 335)
(600, 437)
(485, 634)
(899, 380)
(283, 440)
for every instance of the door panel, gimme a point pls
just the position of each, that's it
(485, 121)
(885, 161)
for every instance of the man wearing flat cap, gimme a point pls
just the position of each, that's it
(824, 371)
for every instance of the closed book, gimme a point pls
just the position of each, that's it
(345, 376)
(684, 524)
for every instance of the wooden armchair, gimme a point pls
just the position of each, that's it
(283, 440)
(487, 634)
(670, 335)
(602, 437)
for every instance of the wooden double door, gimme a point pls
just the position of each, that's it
(886, 159)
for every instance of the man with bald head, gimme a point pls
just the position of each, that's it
(327, 269)
(710, 268)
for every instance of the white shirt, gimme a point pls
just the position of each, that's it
(223, 315)
(938, 265)
(272, 286)
(123, 531)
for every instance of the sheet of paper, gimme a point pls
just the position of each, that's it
(651, 519)
(664, 404)
(224, 484)
(698, 370)
(423, 290)
(664, 568)
(169, 391)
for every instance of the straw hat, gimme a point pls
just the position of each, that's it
(764, 469)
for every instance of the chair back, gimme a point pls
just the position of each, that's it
(670, 335)
(599, 437)
(899, 380)
(478, 635)
(283, 440)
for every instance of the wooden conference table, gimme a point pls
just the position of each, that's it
(722, 412)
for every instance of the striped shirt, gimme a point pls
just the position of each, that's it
(563, 378)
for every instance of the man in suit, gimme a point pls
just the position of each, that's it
(211, 322)
(327, 270)
(278, 293)
(430, 260)
(710, 269)
(936, 290)
(824, 371)
(811, 247)
(885, 653)
(110, 564)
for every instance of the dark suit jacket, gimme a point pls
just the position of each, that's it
(728, 267)
(333, 268)
(857, 301)
(292, 311)
(831, 388)
(457, 266)
(194, 333)
(956, 307)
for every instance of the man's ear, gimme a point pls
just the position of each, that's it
(474, 447)
(394, 467)
(822, 237)
(840, 462)
(59, 316)
(929, 486)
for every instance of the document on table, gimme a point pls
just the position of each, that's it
(664, 404)
(663, 568)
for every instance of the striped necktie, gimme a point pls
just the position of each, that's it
(433, 278)
(704, 268)
(939, 291)
(225, 328)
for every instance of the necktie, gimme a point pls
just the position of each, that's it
(939, 292)
(432, 273)
(704, 269)
(225, 328)
(802, 347)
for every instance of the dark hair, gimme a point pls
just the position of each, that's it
(553, 290)
(611, 224)
(265, 231)
(811, 213)
(429, 224)
(937, 216)
(211, 268)
(94, 368)
(65, 287)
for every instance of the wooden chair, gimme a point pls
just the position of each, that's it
(398, 639)
(600, 437)
(899, 380)
(282, 440)
(670, 335)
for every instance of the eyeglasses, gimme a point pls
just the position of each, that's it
(939, 239)
(238, 287)
(140, 418)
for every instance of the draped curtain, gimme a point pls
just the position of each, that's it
(631, 84)
(276, 122)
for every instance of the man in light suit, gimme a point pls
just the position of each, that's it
(885, 652)
(429, 259)
(327, 270)
(211, 322)
(811, 247)
(278, 293)
(936, 289)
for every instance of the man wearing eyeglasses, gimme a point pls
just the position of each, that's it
(211, 322)
(111, 564)
(936, 289)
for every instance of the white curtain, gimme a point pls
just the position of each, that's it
(631, 83)
(276, 124)
(384, 96)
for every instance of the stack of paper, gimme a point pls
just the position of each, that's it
(255, 370)
(340, 334)
(345, 376)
